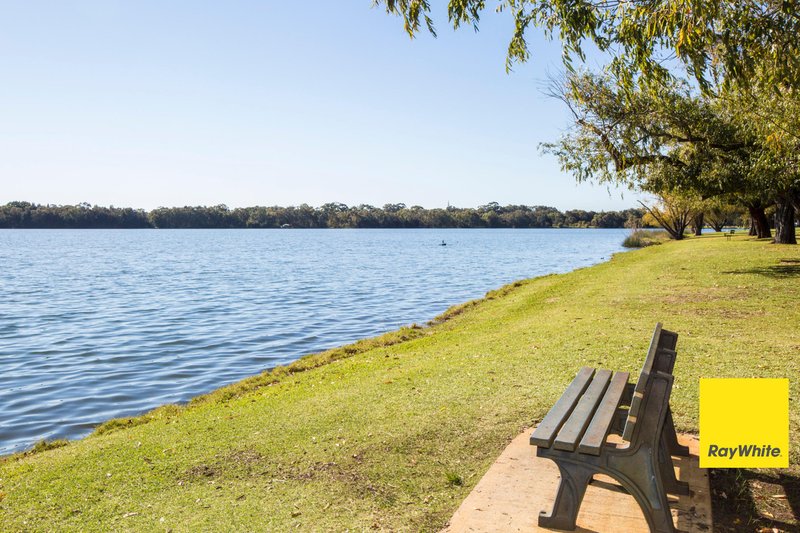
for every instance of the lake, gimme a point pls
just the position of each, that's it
(97, 324)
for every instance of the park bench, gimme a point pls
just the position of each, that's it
(574, 435)
(730, 234)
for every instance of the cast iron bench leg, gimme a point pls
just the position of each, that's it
(571, 488)
(638, 471)
(671, 484)
(672, 438)
(640, 475)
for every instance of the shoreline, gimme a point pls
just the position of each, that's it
(272, 375)
(394, 433)
(422, 314)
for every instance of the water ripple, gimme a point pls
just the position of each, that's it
(102, 324)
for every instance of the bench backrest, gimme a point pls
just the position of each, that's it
(660, 358)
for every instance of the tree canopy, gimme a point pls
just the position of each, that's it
(673, 141)
(729, 40)
(329, 215)
(726, 124)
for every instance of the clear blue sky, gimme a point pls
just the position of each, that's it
(153, 103)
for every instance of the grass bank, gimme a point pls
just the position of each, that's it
(393, 432)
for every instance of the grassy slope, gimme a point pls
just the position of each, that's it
(382, 438)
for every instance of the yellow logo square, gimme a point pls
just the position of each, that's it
(744, 423)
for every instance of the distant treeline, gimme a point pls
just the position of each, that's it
(331, 215)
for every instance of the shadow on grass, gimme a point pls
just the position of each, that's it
(788, 268)
(755, 500)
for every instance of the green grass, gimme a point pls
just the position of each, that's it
(393, 432)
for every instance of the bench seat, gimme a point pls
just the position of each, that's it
(584, 415)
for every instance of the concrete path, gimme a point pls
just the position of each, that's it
(519, 485)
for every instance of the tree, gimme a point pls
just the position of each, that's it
(606, 219)
(654, 140)
(28, 215)
(773, 117)
(741, 43)
(675, 141)
(673, 213)
(744, 49)
(721, 212)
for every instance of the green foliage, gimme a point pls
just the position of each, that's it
(330, 215)
(744, 43)
(676, 143)
(659, 141)
(28, 215)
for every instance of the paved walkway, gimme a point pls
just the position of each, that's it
(519, 485)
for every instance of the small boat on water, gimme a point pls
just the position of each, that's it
(443, 243)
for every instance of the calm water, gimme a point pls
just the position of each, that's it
(96, 324)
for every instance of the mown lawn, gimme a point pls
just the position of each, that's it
(395, 431)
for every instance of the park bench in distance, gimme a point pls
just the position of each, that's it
(573, 434)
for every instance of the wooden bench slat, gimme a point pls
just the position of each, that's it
(647, 367)
(662, 343)
(598, 429)
(662, 360)
(555, 418)
(572, 431)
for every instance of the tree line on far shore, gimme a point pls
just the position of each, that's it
(330, 215)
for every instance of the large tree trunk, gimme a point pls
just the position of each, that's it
(760, 221)
(697, 224)
(784, 220)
